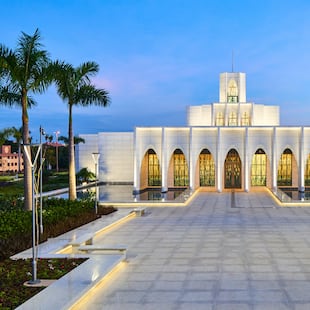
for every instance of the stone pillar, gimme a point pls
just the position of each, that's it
(191, 164)
(246, 161)
(274, 167)
(136, 169)
(164, 168)
(218, 162)
(301, 179)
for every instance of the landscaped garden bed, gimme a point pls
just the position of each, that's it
(14, 273)
(59, 216)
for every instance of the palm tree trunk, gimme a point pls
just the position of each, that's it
(27, 164)
(72, 180)
(19, 151)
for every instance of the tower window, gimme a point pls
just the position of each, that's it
(219, 119)
(232, 94)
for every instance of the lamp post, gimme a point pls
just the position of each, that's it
(57, 134)
(96, 160)
(27, 151)
(42, 133)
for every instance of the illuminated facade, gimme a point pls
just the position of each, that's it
(230, 144)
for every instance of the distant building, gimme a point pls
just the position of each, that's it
(9, 161)
(230, 144)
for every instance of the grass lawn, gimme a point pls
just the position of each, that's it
(11, 186)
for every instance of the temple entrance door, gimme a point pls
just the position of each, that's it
(233, 170)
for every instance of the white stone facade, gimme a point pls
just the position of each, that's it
(232, 143)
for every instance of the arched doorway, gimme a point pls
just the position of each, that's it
(259, 168)
(232, 170)
(285, 168)
(154, 173)
(206, 169)
(180, 169)
(150, 174)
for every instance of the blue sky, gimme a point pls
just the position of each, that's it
(158, 57)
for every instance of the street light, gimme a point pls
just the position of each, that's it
(42, 133)
(56, 134)
(96, 160)
(27, 151)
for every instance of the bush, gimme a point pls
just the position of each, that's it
(84, 175)
(59, 216)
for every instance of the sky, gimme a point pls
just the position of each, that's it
(157, 57)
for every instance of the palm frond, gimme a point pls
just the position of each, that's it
(85, 71)
(89, 94)
(9, 97)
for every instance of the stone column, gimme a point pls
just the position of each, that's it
(136, 170)
(274, 167)
(191, 164)
(218, 161)
(246, 161)
(164, 171)
(301, 179)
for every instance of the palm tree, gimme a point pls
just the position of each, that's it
(24, 70)
(76, 140)
(17, 134)
(4, 134)
(75, 88)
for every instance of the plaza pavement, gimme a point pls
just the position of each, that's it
(222, 251)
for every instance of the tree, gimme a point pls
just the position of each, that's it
(4, 134)
(84, 175)
(24, 70)
(75, 88)
(76, 140)
(17, 134)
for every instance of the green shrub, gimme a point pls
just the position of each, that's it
(59, 216)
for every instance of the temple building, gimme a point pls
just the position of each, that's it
(230, 144)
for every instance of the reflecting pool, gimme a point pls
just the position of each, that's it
(293, 195)
(124, 193)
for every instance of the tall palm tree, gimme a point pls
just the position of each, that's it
(76, 140)
(24, 70)
(17, 134)
(75, 88)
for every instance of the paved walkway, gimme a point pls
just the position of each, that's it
(223, 251)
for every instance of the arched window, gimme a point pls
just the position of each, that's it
(232, 94)
(232, 121)
(245, 119)
(180, 169)
(219, 119)
(206, 169)
(259, 168)
(285, 169)
(154, 174)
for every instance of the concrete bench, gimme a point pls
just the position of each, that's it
(66, 292)
(139, 211)
(83, 239)
(110, 249)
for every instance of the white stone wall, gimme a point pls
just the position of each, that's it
(264, 115)
(117, 157)
(84, 152)
(199, 115)
(116, 162)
